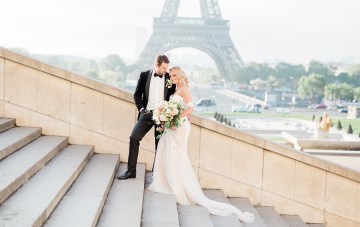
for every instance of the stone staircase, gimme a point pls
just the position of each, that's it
(44, 181)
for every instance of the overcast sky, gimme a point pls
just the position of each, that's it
(263, 30)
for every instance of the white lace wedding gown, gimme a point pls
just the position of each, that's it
(173, 173)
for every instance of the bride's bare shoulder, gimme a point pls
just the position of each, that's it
(184, 90)
(188, 89)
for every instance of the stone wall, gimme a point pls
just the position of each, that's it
(90, 112)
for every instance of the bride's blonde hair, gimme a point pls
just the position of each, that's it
(179, 73)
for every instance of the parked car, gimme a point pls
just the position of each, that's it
(317, 106)
(312, 106)
(256, 108)
(321, 106)
(238, 109)
(343, 110)
(332, 107)
(205, 102)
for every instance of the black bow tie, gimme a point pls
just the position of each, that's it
(155, 75)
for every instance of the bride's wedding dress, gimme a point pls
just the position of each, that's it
(173, 173)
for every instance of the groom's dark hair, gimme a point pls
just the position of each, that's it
(160, 59)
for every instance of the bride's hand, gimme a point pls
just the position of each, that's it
(173, 128)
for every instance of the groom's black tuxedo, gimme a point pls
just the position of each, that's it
(141, 95)
(145, 122)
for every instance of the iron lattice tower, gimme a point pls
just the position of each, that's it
(210, 34)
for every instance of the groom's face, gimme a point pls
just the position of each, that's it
(161, 69)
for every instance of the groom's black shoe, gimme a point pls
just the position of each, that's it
(126, 175)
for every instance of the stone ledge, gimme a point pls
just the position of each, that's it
(62, 73)
(196, 120)
(275, 147)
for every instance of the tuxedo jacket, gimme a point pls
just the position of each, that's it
(141, 95)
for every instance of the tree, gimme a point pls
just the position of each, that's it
(343, 77)
(354, 71)
(93, 75)
(339, 126)
(93, 66)
(346, 91)
(272, 83)
(349, 129)
(284, 71)
(251, 71)
(263, 71)
(357, 94)
(130, 68)
(218, 117)
(221, 118)
(332, 92)
(342, 91)
(20, 50)
(316, 67)
(76, 67)
(243, 76)
(112, 63)
(215, 78)
(111, 77)
(312, 87)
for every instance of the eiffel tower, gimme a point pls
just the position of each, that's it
(210, 34)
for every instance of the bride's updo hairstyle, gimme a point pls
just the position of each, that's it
(180, 74)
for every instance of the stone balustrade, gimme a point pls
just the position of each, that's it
(91, 112)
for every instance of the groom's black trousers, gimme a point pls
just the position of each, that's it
(142, 126)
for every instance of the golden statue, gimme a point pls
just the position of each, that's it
(325, 123)
(322, 129)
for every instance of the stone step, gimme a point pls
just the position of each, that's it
(17, 168)
(6, 123)
(245, 205)
(194, 216)
(294, 220)
(15, 138)
(34, 201)
(159, 210)
(221, 221)
(271, 217)
(316, 225)
(82, 204)
(124, 202)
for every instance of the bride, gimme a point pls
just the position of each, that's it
(173, 173)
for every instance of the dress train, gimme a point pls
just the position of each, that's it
(173, 174)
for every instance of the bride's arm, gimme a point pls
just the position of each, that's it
(188, 101)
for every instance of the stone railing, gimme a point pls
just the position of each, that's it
(90, 112)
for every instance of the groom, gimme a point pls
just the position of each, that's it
(151, 89)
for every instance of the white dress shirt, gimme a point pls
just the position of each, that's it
(156, 91)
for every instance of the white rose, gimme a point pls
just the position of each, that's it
(175, 112)
(162, 118)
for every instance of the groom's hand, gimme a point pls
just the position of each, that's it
(142, 110)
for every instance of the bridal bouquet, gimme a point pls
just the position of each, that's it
(167, 115)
